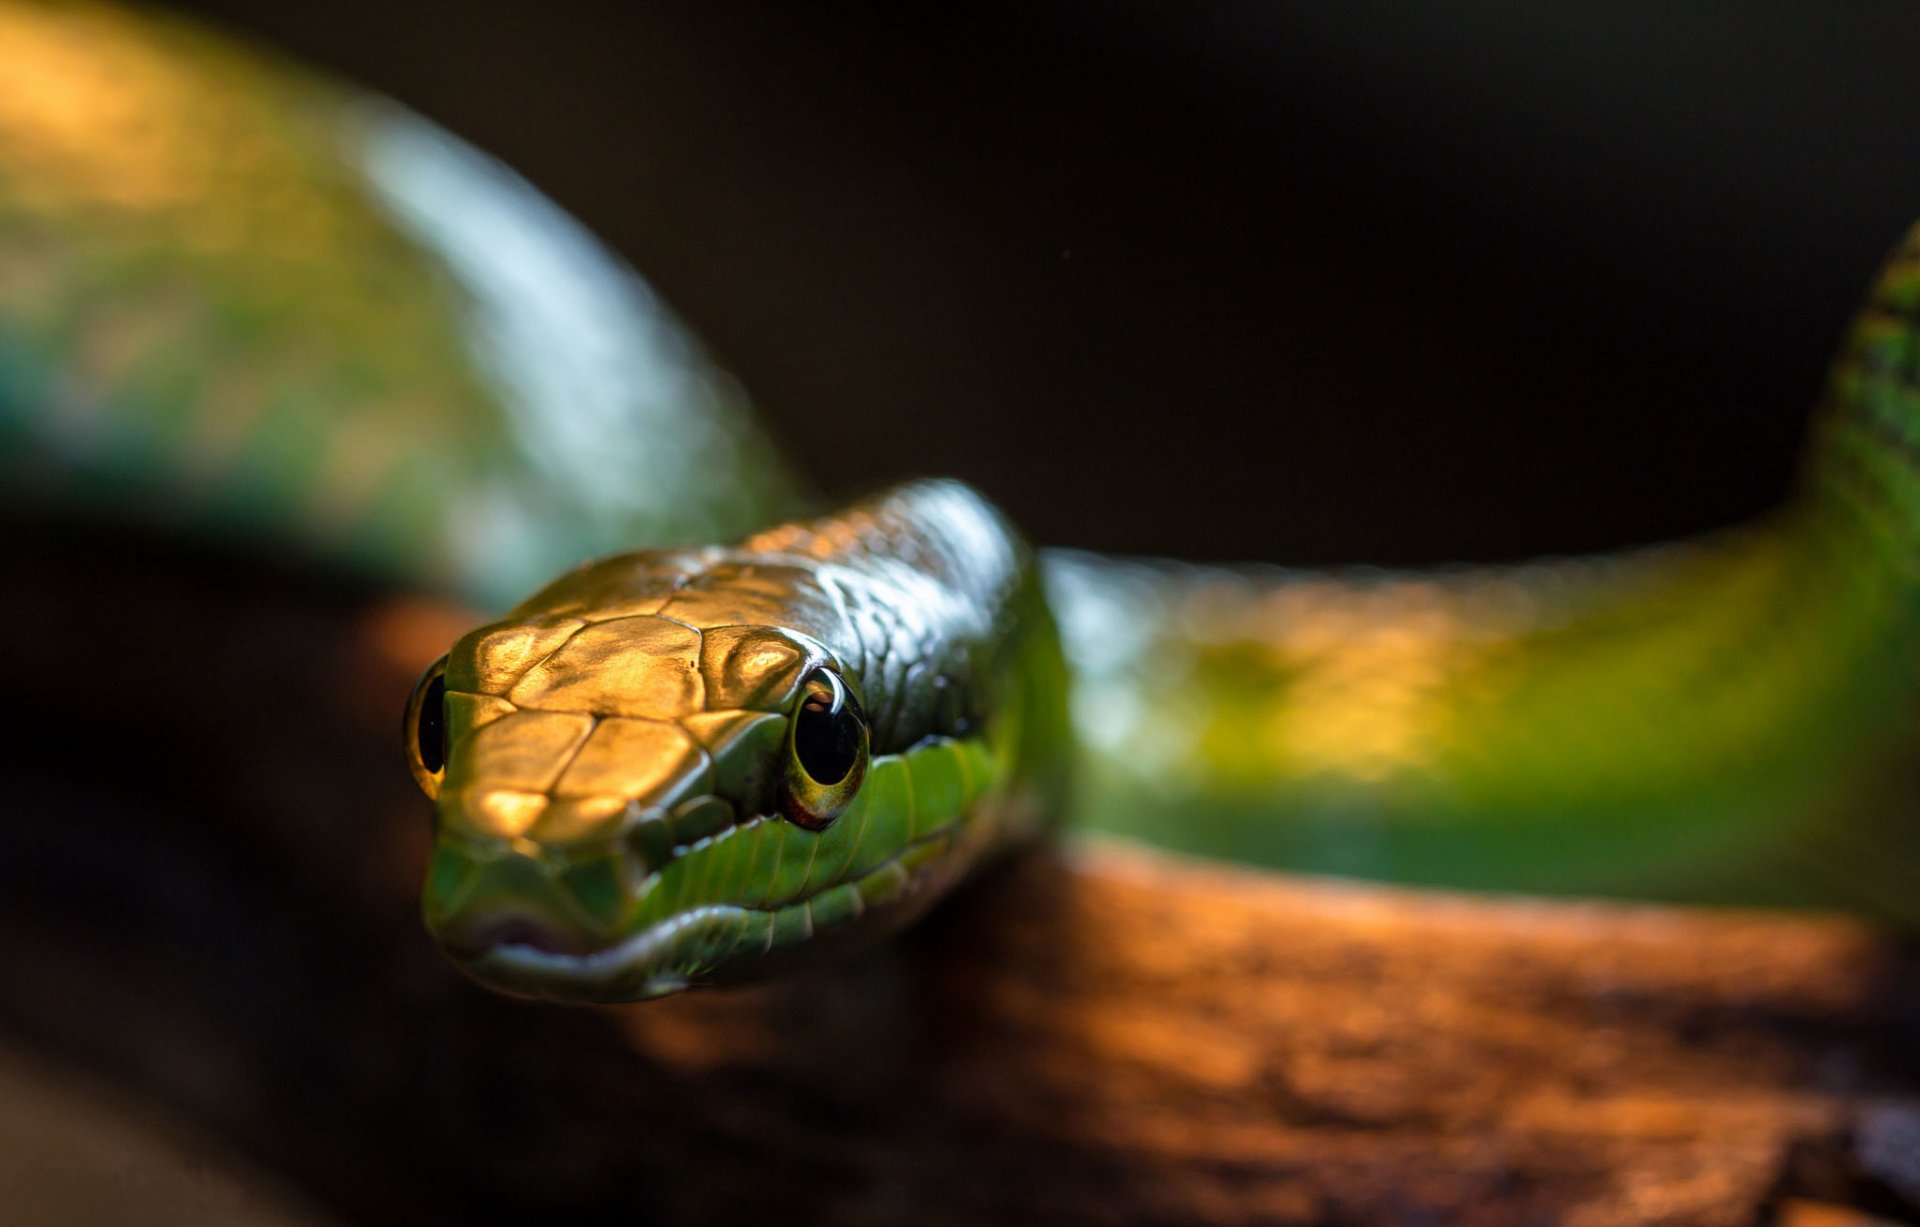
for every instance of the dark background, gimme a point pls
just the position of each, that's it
(1310, 281)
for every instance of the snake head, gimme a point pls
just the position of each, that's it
(629, 803)
(675, 768)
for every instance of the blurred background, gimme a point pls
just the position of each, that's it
(1313, 281)
(1309, 281)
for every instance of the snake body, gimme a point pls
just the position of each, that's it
(260, 306)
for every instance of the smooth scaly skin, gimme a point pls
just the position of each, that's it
(266, 307)
(1729, 719)
(619, 743)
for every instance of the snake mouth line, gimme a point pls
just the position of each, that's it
(542, 971)
(548, 970)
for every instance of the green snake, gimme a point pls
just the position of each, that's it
(255, 305)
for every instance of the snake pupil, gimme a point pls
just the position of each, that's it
(826, 732)
(430, 731)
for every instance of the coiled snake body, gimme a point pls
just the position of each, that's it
(259, 305)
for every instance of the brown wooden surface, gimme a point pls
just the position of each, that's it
(216, 917)
(1113, 1038)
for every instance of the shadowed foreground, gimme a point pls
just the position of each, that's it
(1102, 1036)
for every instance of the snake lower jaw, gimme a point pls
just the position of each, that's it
(711, 944)
(511, 931)
(612, 975)
(524, 955)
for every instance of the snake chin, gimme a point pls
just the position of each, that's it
(697, 947)
(629, 970)
(511, 932)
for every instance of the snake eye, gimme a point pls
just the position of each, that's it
(426, 728)
(826, 751)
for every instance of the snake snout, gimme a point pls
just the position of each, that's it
(482, 902)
